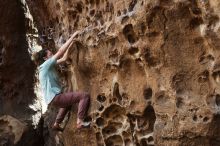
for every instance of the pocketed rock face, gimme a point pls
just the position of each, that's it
(152, 68)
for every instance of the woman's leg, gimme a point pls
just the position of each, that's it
(83, 106)
(66, 100)
(61, 114)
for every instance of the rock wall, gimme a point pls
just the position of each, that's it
(17, 69)
(151, 66)
(16, 78)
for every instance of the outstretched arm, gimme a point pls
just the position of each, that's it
(65, 46)
(64, 57)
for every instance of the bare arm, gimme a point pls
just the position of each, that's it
(65, 46)
(64, 57)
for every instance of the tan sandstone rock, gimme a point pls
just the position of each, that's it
(151, 66)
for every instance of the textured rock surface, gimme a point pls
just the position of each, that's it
(151, 66)
(11, 130)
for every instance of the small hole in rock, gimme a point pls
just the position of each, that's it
(114, 99)
(203, 77)
(129, 33)
(132, 103)
(148, 93)
(201, 59)
(150, 139)
(150, 59)
(194, 118)
(96, 114)
(210, 57)
(118, 13)
(74, 15)
(58, 6)
(149, 117)
(124, 19)
(101, 108)
(107, 6)
(196, 11)
(88, 19)
(217, 100)
(195, 22)
(102, 22)
(144, 142)
(98, 15)
(179, 102)
(205, 119)
(79, 7)
(131, 5)
(92, 12)
(131, 38)
(116, 92)
(100, 121)
(216, 76)
(101, 98)
(133, 50)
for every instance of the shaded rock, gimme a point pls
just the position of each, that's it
(11, 130)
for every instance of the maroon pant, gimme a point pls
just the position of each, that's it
(65, 100)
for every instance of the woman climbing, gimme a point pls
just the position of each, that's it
(49, 82)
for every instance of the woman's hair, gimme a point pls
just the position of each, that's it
(38, 57)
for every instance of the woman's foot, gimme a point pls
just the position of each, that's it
(82, 124)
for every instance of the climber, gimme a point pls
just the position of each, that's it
(51, 88)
